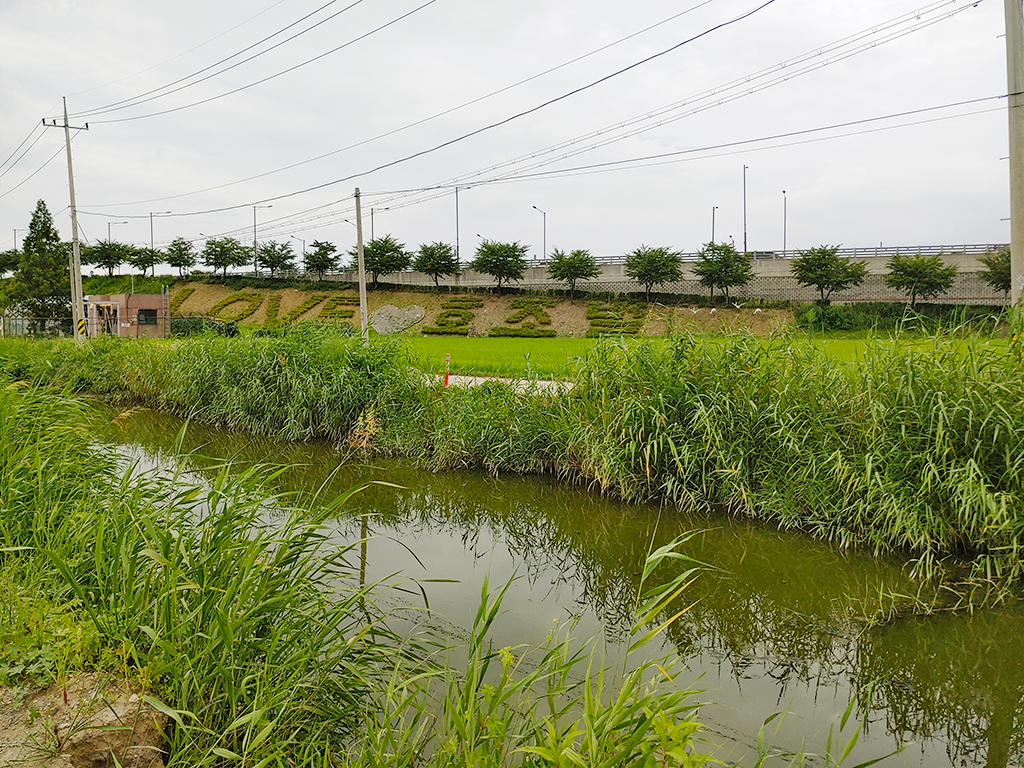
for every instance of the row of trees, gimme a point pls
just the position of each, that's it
(41, 279)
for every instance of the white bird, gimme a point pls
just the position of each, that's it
(739, 306)
(713, 310)
(757, 311)
(694, 311)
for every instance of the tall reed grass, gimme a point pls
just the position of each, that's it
(914, 449)
(247, 630)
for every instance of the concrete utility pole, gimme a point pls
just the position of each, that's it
(75, 266)
(456, 227)
(363, 319)
(713, 209)
(16, 237)
(1015, 110)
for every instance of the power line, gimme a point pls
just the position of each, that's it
(448, 111)
(9, 167)
(280, 73)
(177, 56)
(395, 195)
(499, 123)
(37, 170)
(720, 95)
(136, 100)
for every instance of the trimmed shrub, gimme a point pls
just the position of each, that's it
(181, 296)
(252, 301)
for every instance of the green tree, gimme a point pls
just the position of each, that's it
(502, 261)
(924, 276)
(572, 266)
(322, 258)
(823, 269)
(436, 260)
(145, 259)
(42, 285)
(382, 256)
(181, 255)
(720, 265)
(654, 266)
(996, 274)
(223, 252)
(9, 261)
(106, 254)
(276, 256)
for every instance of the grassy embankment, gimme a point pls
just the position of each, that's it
(254, 639)
(918, 450)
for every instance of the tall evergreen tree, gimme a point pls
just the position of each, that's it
(42, 285)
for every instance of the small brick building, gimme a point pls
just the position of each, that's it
(129, 315)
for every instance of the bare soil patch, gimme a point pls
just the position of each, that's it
(85, 723)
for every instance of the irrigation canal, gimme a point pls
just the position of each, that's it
(775, 627)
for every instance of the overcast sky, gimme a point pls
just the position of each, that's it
(453, 67)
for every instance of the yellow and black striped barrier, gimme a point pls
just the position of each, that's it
(81, 327)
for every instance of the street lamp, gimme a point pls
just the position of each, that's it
(255, 253)
(745, 209)
(784, 211)
(151, 215)
(542, 213)
(115, 223)
(295, 237)
(371, 219)
(713, 209)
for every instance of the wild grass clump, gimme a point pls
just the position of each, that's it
(914, 450)
(310, 382)
(241, 622)
(238, 624)
(917, 449)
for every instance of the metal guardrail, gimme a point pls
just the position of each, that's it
(969, 249)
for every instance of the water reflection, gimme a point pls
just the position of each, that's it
(775, 625)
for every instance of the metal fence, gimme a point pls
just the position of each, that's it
(156, 325)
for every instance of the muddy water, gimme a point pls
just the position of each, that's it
(776, 623)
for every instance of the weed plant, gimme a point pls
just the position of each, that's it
(912, 449)
(241, 622)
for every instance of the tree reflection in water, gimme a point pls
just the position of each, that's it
(775, 605)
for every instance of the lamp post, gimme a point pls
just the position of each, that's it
(255, 252)
(784, 212)
(713, 209)
(151, 215)
(744, 209)
(542, 213)
(371, 219)
(115, 223)
(295, 237)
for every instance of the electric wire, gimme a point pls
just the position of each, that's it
(139, 99)
(393, 198)
(274, 76)
(501, 122)
(27, 150)
(179, 55)
(720, 95)
(435, 116)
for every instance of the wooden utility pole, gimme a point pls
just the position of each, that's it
(1015, 109)
(75, 266)
(363, 319)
